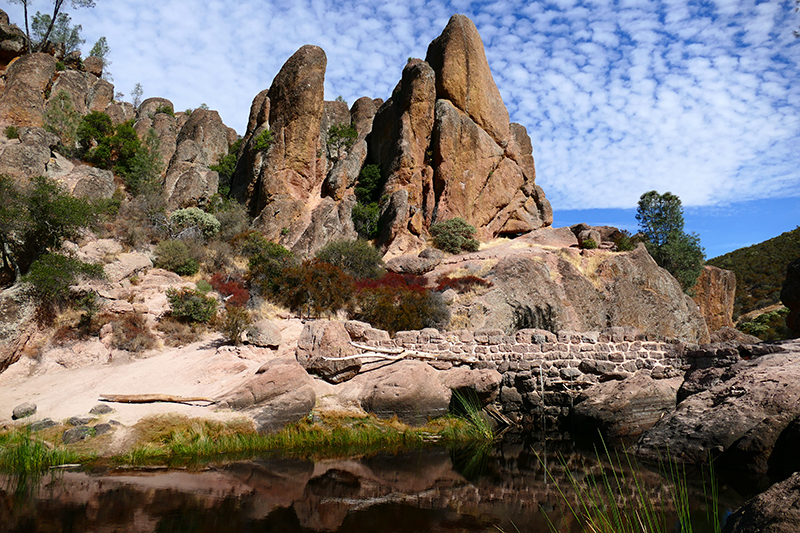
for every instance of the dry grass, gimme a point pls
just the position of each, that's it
(177, 333)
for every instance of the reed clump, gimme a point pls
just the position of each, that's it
(21, 453)
(176, 439)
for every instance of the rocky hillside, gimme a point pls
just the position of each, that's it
(760, 270)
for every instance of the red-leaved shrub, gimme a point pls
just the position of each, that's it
(232, 288)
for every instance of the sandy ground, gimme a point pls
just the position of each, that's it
(203, 369)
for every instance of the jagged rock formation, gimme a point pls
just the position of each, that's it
(715, 292)
(12, 40)
(443, 141)
(447, 149)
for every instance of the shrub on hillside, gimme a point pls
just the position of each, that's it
(267, 262)
(358, 258)
(191, 306)
(131, 333)
(231, 288)
(174, 255)
(454, 236)
(178, 333)
(50, 278)
(195, 218)
(399, 303)
(461, 284)
(233, 323)
(316, 287)
(589, 244)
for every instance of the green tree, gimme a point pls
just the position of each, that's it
(661, 222)
(61, 118)
(57, 5)
(136, 94)
(226, 167)
(100, 50)
(340, 137)
(62, 31)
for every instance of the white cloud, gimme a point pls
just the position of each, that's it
(618, 97)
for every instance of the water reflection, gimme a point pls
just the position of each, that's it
(477, 490)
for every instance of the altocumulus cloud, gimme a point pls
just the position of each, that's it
(619, 96)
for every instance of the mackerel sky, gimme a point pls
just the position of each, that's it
(619, 97)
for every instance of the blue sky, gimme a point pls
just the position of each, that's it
(619, 96)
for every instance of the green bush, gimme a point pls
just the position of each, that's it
(173, 255)
(195, 217)
(191, 306)
(316, 287)
(369, 184)
(203, 287)
(226, 167)
(50, 278)
(366, 220)
(358, 258)
(624, 242)
(234, 322)
(12, 132)
(263, 141)
(166, 109)
(266, 262)
(589, 244)
(394, 305)
(454, 236)
(60, 66)
(768, 326)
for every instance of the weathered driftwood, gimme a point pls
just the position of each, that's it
(152, 398)
(395, 354)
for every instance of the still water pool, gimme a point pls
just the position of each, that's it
(514, 486)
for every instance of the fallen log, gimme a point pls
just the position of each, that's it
(153, 398)
(395, 354)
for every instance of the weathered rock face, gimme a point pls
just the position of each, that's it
(714, 293)
(445, 139)
(27, 157)
(790, 295)
(22, 101)
(205, 127)
(12, 39)
(776, 510)
(323, 339)
(278, 394)
(626, 408)
(87, 92)
(282, 183)
(411, 390)
(742, 420)
(577, 290)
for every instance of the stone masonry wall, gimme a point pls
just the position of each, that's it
(544, 373)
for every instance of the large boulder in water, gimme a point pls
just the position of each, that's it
(745, 422)
(279, 393)
(776, 510)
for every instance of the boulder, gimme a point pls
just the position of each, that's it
(264, 333)
(165, 127)
(625, 408)
(29, 157)
(412, 264)
(148, 107)
(77, 434)
(189, 185)
(205, 127)
(23, 410)
(714, 293)
(739, 420)
(777, 510)
(90, 182)
(93, 65)
(484, 383)
(410, 390)
(126, 265)
(363, 332)
(321, 339)
(12, 39)
(22, 101)
(101, 409)
(279, 393)
(584, 290)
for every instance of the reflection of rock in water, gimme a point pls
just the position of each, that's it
(419, 491)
